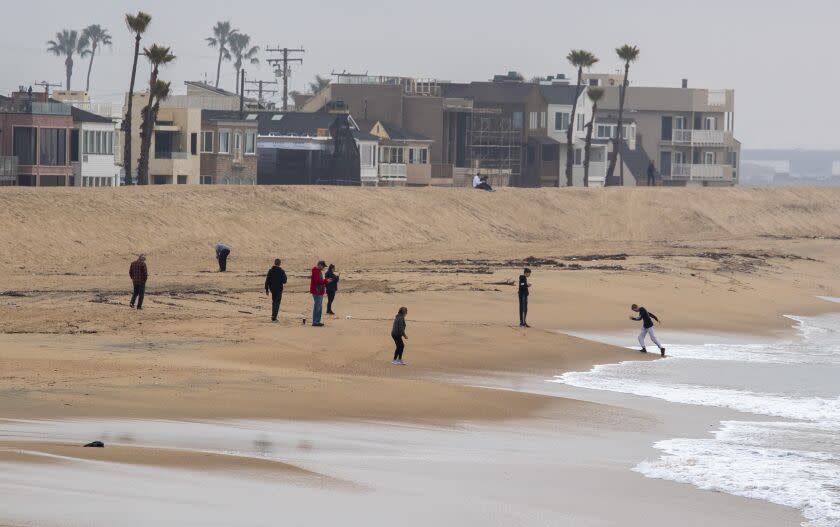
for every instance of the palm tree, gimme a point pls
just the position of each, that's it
(579, 58)
(67, 43)
(137, 24)
(242, 53)
(158, 56)
(95, 35)
(628, 54)
(319, 84)
(160, 93)
(595, 95)
(222, 34)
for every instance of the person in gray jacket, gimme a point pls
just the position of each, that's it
(398, 334)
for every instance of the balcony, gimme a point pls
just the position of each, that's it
(171, 155)
(692, 172)
(699, 137)
(8, 170)
(393, 172)
(35, 108)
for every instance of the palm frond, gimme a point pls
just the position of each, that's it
(595, 94)
(628, 53)
(139, 23)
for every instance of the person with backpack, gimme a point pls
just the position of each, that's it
(398, 334)
(275, 280)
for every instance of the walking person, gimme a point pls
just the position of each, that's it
(651, 175)
(524, 292)
(317, 288)
(275, 280)
(647, 319)
(139, 273)
(398, 334)
(332, 287)
(222, 253)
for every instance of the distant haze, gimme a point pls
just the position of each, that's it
(779, 56)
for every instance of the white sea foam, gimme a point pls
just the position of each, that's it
(794, 463)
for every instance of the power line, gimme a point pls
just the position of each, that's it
(47, 85)
(260, 91)
(282, 63)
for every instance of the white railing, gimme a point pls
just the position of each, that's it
(717, 97)
(389, 171)
(695, 172)
(698, 137)
(105, 109)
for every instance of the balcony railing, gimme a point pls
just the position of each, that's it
(35, 108)
(172, 155)
(393, 171)
(717, 97)
(104, 109)
(8, 168)
(696, 172)
(698, 137)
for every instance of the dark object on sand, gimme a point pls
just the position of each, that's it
(95, 444)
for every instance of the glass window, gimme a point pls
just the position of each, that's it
(74, 146)
(411, 158)
(605, 131)
(53, 146)
(224, 142)
(533, 120)
(578, 156)
(237, 143)
(581, 125)
(24, 145)
(206, 142)
(561, 120)
(517, 120)
(424, 156)
(543, 119)
(250, 143)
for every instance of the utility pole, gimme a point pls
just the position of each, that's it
(260, 90)
(283, 62)
(47, 87)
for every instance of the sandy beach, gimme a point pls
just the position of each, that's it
(76, 361)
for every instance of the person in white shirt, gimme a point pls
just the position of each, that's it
(481, 183)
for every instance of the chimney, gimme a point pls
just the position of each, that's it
(685, 83)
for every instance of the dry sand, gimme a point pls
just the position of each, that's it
(733, 260)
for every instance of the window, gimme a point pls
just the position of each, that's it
(53, 147)
(581, 122)
(561, 120)
(710, 158)
(604, 131)
(578, 156)
(366, 153)
(250, 143)
(193, 143)
(206, 142)
(410, 156)
(74, 146)
(679, 123)
(224, 142)
(424, 156)
(594, 82)
(237, 144)
(206, 180)
(550, 152)
(678, 158)
(711, 123)
(543, 119)
(534, 120)
(182, 180)
(160, 180)
(392, 155)
(517, 120)
(53, 181)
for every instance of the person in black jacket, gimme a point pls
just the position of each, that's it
(332, 287)
(524, 287)
(647, 318)
(398, 334)
(274, 282)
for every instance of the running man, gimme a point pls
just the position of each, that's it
(647, 328)
(524, 292)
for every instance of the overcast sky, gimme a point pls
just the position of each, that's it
(780, 57)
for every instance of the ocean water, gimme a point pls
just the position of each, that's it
(788, 453)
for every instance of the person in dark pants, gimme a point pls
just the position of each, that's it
(274, 282)
(332, 287)
(524, 291)
(651, 173)
(139, 273)
(398, 334)
(222, 253)
(318, 289)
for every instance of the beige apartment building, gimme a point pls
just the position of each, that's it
(687, 133)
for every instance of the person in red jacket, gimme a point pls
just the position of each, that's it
(318, 289)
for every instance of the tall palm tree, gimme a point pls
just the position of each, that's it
(137, 24)
(158, 56)
(95, 36)
(579, 58)
(628, 54)
(66, 44)
(319, 84)
(222, 33)
(160, 93)
(243, 52)
(595, 95)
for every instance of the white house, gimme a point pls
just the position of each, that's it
(560, 101)
(92, 146)
(368, 157)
